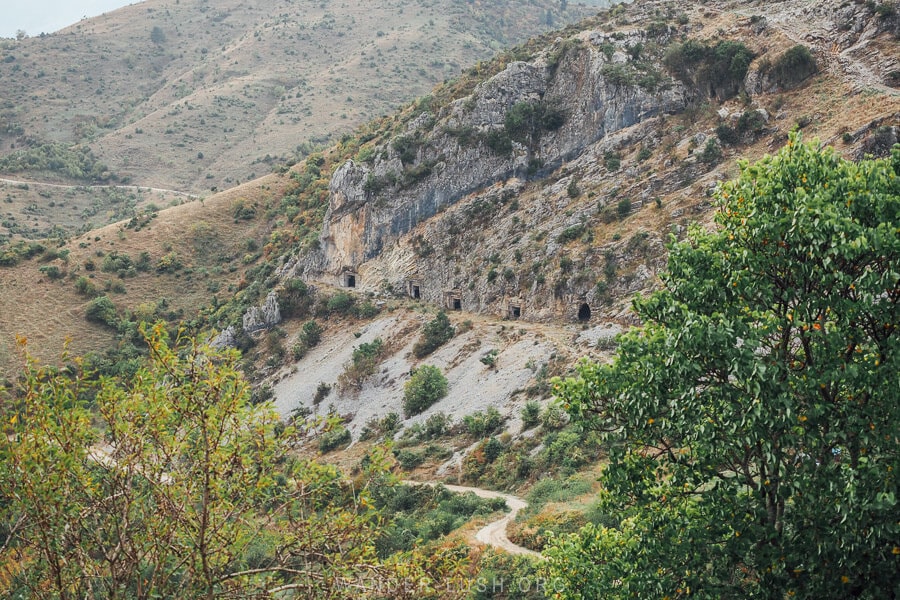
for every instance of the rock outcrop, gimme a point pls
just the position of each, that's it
(566, 100)
(262, 317)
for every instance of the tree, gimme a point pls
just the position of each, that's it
(752, 421)
(183, 490)
(426, 386)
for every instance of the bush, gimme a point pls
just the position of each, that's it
(169, 263)
(612, 160)
(311, 334)
(340, 303)
(792, 67)
(363, 364)
(531, 415)
(84, 287)
(294, 299)
(322, 391)
(436, 333)
(409, 459)
(385, 427)
(336, 436)
(554, 417)
(480, 424)
(711, 152)
(102, 310)
(489, 359)
(426, 386)
(623, 208)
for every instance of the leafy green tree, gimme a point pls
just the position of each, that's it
(175, 486)
(752, 422)
(426, 386)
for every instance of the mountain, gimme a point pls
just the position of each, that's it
(415, 286)
(541, 185)
(193, 95)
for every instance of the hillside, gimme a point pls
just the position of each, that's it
(194, 96)
(619, 181)
(402, 301)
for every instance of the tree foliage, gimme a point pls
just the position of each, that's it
(426, 386)
(752, 422)
(174, 486)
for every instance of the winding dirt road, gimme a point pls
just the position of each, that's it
(494, 533)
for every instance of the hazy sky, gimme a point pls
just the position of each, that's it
(36, 16)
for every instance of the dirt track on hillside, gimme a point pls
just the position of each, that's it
(494, 533)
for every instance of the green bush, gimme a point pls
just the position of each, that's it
(333, 438)
(792, 67)
(409, 459)
(294, 299)
(721, 67)
(612, 160)
(480, 424)
(311, 334)
(435, 334)
(102, 310)
(531, 414)
(426, 386)
(340, 303)
(711, 152)
(365, 360)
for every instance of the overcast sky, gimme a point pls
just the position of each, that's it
(36, 16)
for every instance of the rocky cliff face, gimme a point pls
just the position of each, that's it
(512, 200)
(525, 121)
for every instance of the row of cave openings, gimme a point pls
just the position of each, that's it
(453, 298)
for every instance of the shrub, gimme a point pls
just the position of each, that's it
(612, 160)
(489, 359)
(570, 234)
(409, 459)
(294, 299)
(311, 334)
(340, 303)
(366, 310)
(118, 263)
(554, 417)
(363, 363)
(322, 391)
(84, 287)
(102, 310)
(623, 208)
(727, 135)
(334, 437)
(792, 67)
(480, 424)
(51, 271)
(385, 427)
(530, 414)
(499, 142)
(169, 263)
(426, 386)
(435, 334)
(711, 152)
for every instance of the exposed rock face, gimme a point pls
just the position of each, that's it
(227, 338)
(450, 155)
(262, 317)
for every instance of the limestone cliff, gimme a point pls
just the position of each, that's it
(566, 101)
